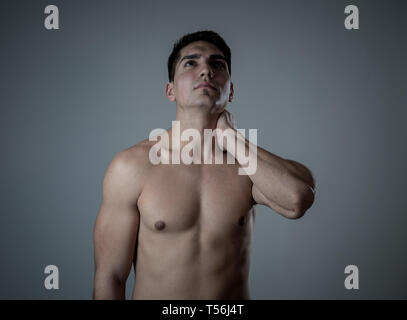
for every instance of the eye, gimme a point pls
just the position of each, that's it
(219, 64)
(189, 62)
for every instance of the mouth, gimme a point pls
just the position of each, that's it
(205, 85)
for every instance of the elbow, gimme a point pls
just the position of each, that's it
(109, 276)
(108, 286)
(303, 201)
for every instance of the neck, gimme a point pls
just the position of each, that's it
(194, 118)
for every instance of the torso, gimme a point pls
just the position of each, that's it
(194, 234)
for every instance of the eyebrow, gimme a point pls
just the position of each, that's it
(197, 56)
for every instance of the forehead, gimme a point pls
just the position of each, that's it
(202, 47)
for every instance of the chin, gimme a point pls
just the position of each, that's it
(204, 102)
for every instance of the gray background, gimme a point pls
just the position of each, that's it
(332, 99)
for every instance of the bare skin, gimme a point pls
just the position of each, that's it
(187, 228)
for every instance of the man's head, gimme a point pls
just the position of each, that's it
(197, 60)
(208, 36)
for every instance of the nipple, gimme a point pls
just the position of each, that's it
(159, 225)
(242, 221)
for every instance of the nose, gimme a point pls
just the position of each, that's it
(206, 71)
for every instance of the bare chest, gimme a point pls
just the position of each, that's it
(177, 198)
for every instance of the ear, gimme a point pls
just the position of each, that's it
(169, 91)
(231, 92)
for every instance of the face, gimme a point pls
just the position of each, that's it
(201, 78)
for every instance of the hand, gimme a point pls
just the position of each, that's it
(225, 122)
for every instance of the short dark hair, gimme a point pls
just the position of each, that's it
(205, 35)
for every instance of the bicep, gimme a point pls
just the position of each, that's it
(116, 226)
(115, 236)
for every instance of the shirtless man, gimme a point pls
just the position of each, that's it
(187, 228)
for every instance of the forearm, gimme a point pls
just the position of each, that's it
(108, 287)
(281, 181)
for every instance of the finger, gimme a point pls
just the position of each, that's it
(232, 120)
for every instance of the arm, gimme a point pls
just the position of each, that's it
(283, 185)
(116, 229)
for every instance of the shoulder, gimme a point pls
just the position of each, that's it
(130, 166)
(133, 158)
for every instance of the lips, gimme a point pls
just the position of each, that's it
(206, 85)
